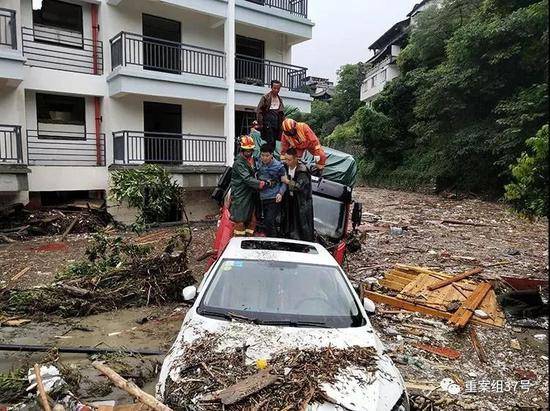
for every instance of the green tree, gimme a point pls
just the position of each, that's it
(347, 91)
(528, 191)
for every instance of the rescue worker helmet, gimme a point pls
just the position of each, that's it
(289, 125)
(247, 143)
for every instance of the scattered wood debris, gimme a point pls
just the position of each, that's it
(131, 388)
(116, 274)
(421, 290)
(291, 380)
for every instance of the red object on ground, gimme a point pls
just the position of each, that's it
(340, 252)
(524, 283)
(443, 351)
(46, 248)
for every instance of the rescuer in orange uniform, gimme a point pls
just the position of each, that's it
(301, 137)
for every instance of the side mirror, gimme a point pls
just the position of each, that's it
(370, 308)
(189, 293)
(357, 214)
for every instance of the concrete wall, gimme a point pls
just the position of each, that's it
(52, 178)
(276, 44)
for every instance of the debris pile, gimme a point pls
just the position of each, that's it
(458, 299)
(290, 380)
(116, 274)
(18, 223)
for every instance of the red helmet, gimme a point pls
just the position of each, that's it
(247, 143)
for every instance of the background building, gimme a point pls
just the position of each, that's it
(88, 86)
(383, 64)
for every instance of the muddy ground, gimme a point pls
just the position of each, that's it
(512, 378)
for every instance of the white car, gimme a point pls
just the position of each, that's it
(298, 297)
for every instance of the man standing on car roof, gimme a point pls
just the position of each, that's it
(298, 205)
(271, 170)
(270, 114)
(301, 137)
(244, 190)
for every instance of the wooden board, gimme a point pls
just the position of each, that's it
(246, 387)
(412, 284)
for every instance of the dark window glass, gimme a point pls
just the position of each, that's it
(54, 13)
(57, 109)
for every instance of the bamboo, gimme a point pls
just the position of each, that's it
(40, 388)
(131, 388)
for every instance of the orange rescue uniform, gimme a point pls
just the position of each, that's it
(305, 139)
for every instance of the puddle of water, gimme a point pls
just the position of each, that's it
(116, 329)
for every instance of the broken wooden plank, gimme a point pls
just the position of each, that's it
(458, 277)
(461, 317)
(477, 345)
(131, 388)
(406, 305)
(69, 228)
(247, 387)
(20, 274)
(410, 306)
(442, 351)
(459, 222)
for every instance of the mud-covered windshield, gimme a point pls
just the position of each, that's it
(281, 293)
(328, 217)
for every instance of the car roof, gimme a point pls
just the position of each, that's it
(259, 248)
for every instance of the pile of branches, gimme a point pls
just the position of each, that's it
(116, 274)
(300, 374)
(17, 223)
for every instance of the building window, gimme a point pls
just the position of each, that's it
(58, 23)
(383, 75)
(61, 117)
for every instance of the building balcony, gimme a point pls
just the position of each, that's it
(260, 72)
(62, 49)
(254, 78)
(13, 171)
(169, 149)
(65, 148)
(11, 147)
(11, 59)
(150, 66)
(297, 7)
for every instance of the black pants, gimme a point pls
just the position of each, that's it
(271, 127)
(271, 217)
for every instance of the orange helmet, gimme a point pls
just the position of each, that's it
(289, 125)
(247, 143)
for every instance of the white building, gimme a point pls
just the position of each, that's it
(88, 86)
(383, 64)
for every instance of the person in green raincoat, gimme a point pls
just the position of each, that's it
(244, 190)
(257, 137)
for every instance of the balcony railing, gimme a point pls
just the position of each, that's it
(11, 148)
(8, 34)
(260, 72)
(62, 49)
(129, 49)
(298, 7)
(135, 147)
(63, 148)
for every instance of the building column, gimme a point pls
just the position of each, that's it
(229, 116)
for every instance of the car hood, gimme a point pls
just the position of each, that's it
(354, 389)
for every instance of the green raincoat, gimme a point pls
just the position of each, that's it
(244, 190)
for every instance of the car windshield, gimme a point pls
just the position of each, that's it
(281, 293)
(328, 216)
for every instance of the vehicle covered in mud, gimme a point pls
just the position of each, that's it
(271, 301)
(333, 207)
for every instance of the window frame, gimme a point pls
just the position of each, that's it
(57, 26)
(61, 137)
